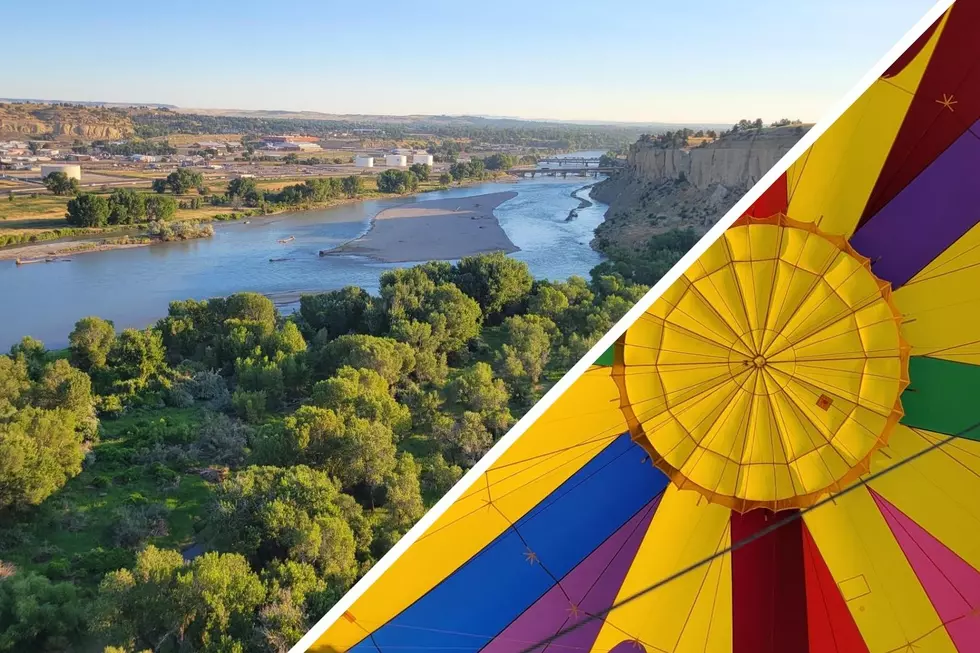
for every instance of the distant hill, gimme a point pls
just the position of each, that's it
(444, 119)
(108, 105)
(25, 120)
(99, 120)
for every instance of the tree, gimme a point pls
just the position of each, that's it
(258, 374)
(160, 208)
(459, 171)
(39, 615)
(445, 179)
(411, 294)
(397, 181)
(466, 440)
(366, 454)
(392, 360)
(252, 306)
(403, 494)
(220, 595)
(183, 180)
(15, 384)
(421, 171)
(209, 605)
(608, 160)
(88, 210)
(297, 513)
(526, 350)
(159, 186)
(548, 301)
(61, 184)
(136, 359)
(32, 353)
(339, 312)
(362, 393)
(142, 604)
(476, 168)
(39, 451)
(245, 189)
(90, 343)
(351, 186)
(498, 162)
(438, 476)
(126, 206)
(497, 282)
(61, 386)
(476, 389)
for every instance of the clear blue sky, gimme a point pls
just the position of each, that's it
(630, 60)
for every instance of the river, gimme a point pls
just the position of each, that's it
(133, 287)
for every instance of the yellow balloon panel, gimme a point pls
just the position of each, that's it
(693, 612)
(752, 383)
(830, 185)
(937, 490)
(882, 592)
(941, 304)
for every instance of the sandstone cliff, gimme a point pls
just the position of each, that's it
(668, 188)
(24, 120)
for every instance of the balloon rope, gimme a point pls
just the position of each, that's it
(734, 547)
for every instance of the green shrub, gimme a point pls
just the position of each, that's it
(58, 569)
(250, 406)
(99, 561)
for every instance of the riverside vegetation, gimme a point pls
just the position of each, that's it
(183, 196)
(215, 482)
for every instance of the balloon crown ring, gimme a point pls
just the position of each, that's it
(769, 374)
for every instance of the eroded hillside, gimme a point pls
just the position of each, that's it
(665, 188)
(90, 122)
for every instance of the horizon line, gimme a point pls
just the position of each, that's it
(573, 121)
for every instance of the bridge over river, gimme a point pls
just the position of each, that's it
(562, 171)
(581, 161)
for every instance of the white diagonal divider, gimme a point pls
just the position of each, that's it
(620, 327)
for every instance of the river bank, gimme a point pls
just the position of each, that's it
(133, 286)
(59, 251)
(433, 230)
(77, 243)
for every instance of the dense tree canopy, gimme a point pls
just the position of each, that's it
(288, 452)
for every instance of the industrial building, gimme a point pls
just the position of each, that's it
(396, 160)
(70, 170)
(291, 138)
(423, 158)
(362, 161)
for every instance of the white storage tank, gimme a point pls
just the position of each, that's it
(71, 171)
(362, 161)
(396, 160)
(423, 158)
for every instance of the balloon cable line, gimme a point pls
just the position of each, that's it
(742, 543)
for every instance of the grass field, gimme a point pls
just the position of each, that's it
(25, 214)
